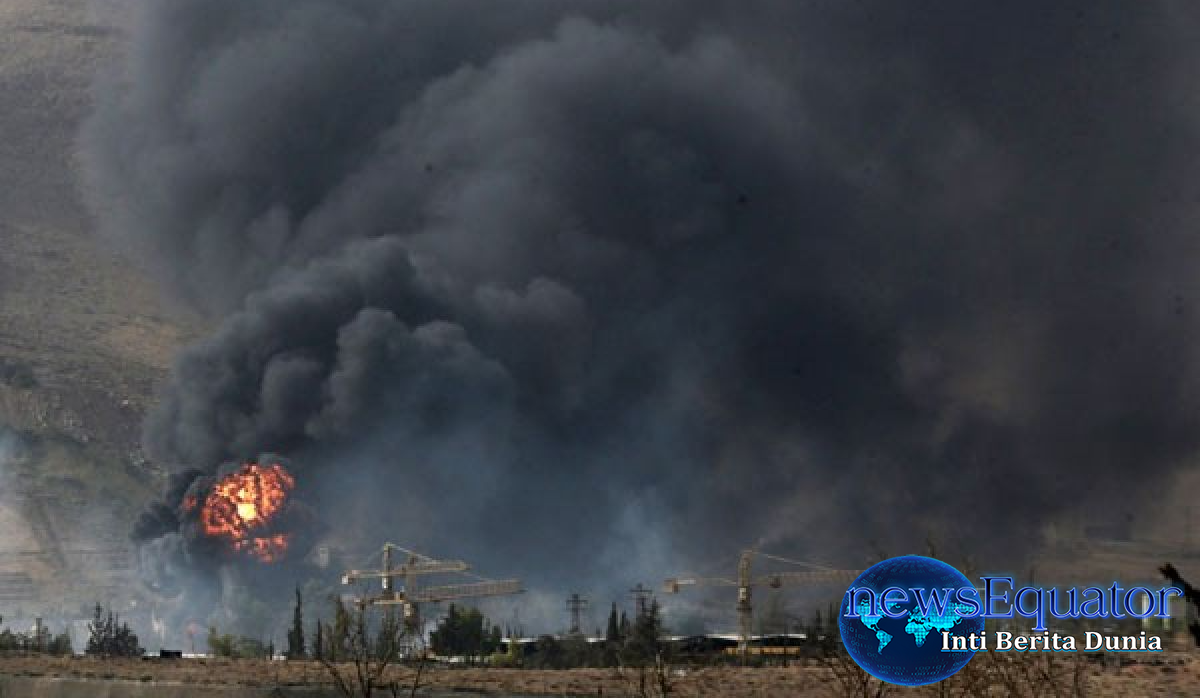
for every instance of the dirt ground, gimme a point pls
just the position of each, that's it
(1163, 675)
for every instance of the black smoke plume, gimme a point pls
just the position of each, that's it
(593, 292)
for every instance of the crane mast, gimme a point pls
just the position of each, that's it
(745, 605)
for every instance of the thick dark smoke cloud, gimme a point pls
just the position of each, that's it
(592, 292)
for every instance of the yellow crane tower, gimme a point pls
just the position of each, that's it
(746, 581)
(410, 595)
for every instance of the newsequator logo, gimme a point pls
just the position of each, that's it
(914, 620)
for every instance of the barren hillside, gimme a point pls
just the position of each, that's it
(83, 338)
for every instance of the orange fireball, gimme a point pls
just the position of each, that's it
(241, 504)
(265, 548)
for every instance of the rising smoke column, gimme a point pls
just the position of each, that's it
(590, 291)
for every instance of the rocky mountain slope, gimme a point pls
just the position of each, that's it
(84, 336)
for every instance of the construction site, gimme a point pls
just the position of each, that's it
(768, 620)
(767, 612)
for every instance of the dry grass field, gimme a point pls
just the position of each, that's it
(1166, 675)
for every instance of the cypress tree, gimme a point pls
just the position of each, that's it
(642, 645)
(339, 635)
(296, 634)
(612, 634)
(612, 637)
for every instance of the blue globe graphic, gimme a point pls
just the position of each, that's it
(908, 650)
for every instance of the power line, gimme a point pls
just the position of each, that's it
(576, 604)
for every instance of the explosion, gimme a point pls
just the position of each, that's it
(244, 503)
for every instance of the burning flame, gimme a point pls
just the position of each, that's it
(243, 502)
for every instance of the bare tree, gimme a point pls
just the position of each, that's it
(368, 657)
(646, 680)
(422, 659)
(1034, 674)
(851, 679)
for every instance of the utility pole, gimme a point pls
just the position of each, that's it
(641, 597)
(576, 604)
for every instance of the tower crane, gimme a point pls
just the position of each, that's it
(415, 565)
(746, 581)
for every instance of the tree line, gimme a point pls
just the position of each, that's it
(466, 632)
(108, 636)
(636, 643)
(39, 640)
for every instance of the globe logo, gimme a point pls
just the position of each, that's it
(906, 648)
